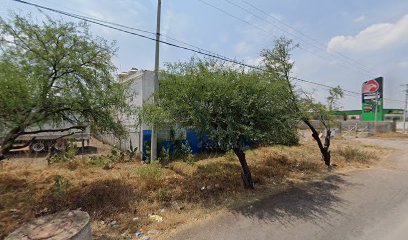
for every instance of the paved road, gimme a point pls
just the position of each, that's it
(370, 204)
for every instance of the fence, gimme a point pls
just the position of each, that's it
(359, 128)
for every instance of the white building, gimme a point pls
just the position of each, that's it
(140, 85)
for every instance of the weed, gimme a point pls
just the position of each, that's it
(147, 151)
(163, 195)
(151, 174)
(64, 156)
(131, 152)
(61, 185)
(164, 155)
(100, 161)
(230, 156)
(188, 156)
(106, 162)
(354, 154)
(73, 165)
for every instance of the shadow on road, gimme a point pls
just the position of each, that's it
(312, 201)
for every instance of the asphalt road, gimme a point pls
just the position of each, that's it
(369, 204)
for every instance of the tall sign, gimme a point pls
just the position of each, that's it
(372, 100)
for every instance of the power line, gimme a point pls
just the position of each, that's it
(368, 73)
(216, 56)
(303, 34)
(86, 19)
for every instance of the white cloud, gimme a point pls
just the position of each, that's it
(243, 47)
(254, 61)
(359, 19)
(375, 37)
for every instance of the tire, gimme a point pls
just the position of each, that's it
(38, 147)
(60, 145)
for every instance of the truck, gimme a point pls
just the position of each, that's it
(51, 137)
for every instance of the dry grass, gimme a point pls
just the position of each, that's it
(397, 135)
(354, 154)
(128, 192)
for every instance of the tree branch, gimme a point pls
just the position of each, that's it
(54, 130)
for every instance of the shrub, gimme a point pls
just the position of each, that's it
(188, 156)
(131, 152)
(164, 155)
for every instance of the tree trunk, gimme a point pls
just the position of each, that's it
(324, 149)
(8, 141)
(246, 172)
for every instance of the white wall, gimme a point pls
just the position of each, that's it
(141, 88)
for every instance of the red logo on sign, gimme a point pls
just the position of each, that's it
(371, 86)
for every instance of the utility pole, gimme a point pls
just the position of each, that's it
(153, 147)
(405, 108)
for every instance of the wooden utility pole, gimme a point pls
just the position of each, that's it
(153, 147)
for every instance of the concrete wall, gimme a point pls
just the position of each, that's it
(122, 144)
(370, 127)
(359, 125)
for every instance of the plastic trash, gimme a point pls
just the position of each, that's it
(155, 218)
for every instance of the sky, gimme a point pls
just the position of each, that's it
(341, 42)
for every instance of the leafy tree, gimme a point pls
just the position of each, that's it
(278, 63)
(230, 105)
(53, 71)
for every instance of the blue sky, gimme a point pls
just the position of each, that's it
(347, 41)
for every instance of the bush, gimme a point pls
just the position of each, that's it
(107, 161)
(100, 161)
(188, 156)
(151, 174)
(164, 155)
(65, 156)
(354, 154)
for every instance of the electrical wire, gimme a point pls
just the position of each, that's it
(216, 56)
(303, 34)
(350, 64)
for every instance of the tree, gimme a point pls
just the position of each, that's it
(324, 114)
(278, 63)
(53, 71)
(231, 106)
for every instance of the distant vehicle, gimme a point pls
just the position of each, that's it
(55, 139)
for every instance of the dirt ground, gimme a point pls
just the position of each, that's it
(121, 194)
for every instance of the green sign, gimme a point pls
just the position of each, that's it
(372, 100)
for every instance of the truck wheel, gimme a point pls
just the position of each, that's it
(37, 147)
(60, 145)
